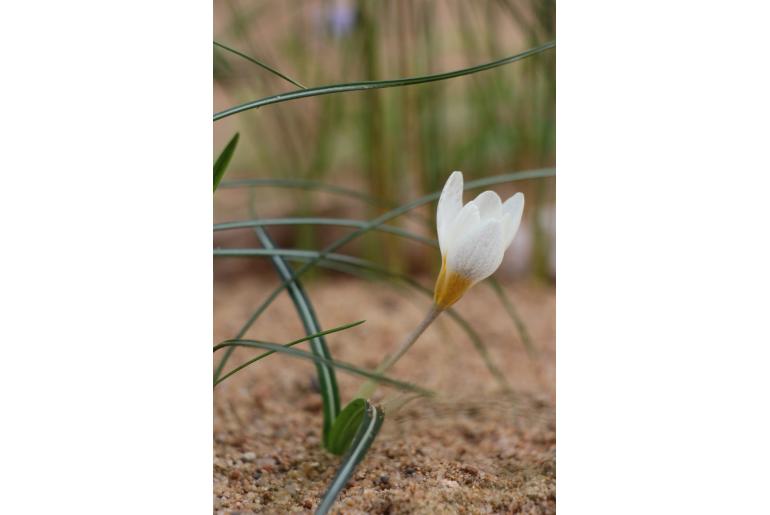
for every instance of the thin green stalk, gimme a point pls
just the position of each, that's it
(327, 381)
(313, 256)
(516, 176)
(255, 344)
(260, 63)
(518, 322)
(227, 344)
(367, 389)
(359, 86)
(341, 222)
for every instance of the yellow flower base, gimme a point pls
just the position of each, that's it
(450, 286)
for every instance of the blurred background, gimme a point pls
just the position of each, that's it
(388, 145)
(350, 157)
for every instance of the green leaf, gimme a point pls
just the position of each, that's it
(345, 427)
(319, 257)
(357, 86)
(341, 365)
(327, 381)
(229, 345)
(380, 220)
(314, 256)
(224, 159)
(340, 222)
(510, 309)
(371, 421)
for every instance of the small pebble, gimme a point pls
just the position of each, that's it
(249, 456)
(450, 483)
(266, 463)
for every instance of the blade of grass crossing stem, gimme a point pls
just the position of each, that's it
(313, 255)
(224, 159)
(372, 224)
(327, 381)
(259, 63)
(340, 365)
(341, 222)
(510, 309)
(367, 431)
(391, 83)
(230, 348)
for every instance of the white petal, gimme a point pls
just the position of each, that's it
(449, 204)
(512, 211)
(489, 204)
(464, 223)
(478, 254)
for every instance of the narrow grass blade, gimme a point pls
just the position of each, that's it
(226, 344)
(371, 225)
(510, 309)
(304, 255)
(376, 222)
(341, 365)
(367, 431)
(358, 86)
(327, 381)
(260, 63)
(220, 166)
(340, 222)
(313, 256)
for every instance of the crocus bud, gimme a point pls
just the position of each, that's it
(473, 237)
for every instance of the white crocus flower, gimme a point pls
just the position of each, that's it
(473, 237)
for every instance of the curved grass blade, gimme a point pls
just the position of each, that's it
(340, 222)
(303, 255)
(341, 365)
(390, 83)
(518, 322)
(367, 431)
(226, 343)
(224, 159)
(259, 63)
(313, 255)
(327, 382)
(376, 222)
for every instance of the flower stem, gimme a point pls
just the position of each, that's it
(368, 388)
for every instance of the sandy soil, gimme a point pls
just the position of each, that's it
(472, 450)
